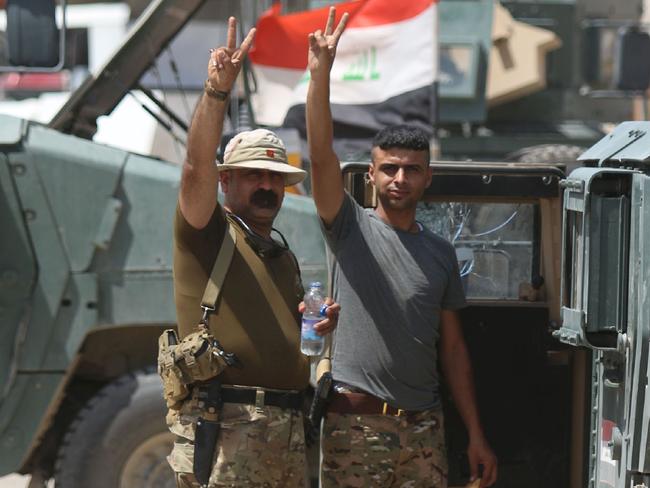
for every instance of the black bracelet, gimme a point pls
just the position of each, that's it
(211, 92)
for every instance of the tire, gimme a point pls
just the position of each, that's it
(119, 440)
(561, 154)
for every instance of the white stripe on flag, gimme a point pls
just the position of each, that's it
(372, 65)
(275, 93)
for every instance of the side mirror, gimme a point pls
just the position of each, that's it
(632, 69)
(33, 38)
(614, 57)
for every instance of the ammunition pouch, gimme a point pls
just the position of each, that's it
(197, 358)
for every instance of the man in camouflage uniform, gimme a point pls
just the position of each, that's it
(260, 440)
(399, 289)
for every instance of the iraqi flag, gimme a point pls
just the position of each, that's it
(385, 67)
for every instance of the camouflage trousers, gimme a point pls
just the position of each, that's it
(257, 447)
(384, 451)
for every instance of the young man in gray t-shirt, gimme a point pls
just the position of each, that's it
(399, 288)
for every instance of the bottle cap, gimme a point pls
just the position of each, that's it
(315, 284)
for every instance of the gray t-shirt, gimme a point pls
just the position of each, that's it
(391, 286)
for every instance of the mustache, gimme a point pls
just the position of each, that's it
(264, 199)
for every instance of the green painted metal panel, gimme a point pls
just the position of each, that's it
(641, 302)
(629, 141)
(636, 407)
(135, 282)
(33, 394)
(11, 130)
(13, 440)
(107, 224)
(53, 267)
(137, 297)
(79, 179)
(142, 237)
(17, 272)
(77, 314)
(149, 191)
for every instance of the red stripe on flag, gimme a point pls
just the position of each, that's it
(281, 40)
(380, 12)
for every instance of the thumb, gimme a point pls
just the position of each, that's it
(473, 467)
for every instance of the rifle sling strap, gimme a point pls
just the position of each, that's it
(220, 268)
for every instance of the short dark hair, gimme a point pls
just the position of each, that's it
(402, 137)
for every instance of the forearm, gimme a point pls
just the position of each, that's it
(200, 175)
(318, 113)
(205, 132)
(327, 184)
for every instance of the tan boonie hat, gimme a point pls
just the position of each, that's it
(260, 149)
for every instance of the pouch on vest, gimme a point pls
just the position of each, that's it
(175, 385)
(198, 357)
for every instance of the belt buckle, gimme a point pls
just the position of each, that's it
(386, 407)
(259, 400)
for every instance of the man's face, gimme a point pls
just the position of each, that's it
(255, 195)
(400, 176)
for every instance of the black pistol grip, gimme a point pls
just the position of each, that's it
(230, 358)
(319, 403)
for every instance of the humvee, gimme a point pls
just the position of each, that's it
(605, 302)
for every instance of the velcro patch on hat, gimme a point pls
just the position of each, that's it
(270, 153)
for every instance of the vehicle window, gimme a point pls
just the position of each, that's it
(493, 241)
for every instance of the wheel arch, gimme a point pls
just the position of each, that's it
(106, 354)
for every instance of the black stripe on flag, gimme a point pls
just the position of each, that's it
(356, 125)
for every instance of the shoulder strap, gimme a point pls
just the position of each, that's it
(283, 313)
(220, 268)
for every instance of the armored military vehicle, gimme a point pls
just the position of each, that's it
(536, 80)
(605, 304)
(85, 280)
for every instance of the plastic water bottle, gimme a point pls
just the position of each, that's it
(311, 344)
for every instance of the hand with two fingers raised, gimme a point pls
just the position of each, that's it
(322, 45)
(225, 61)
